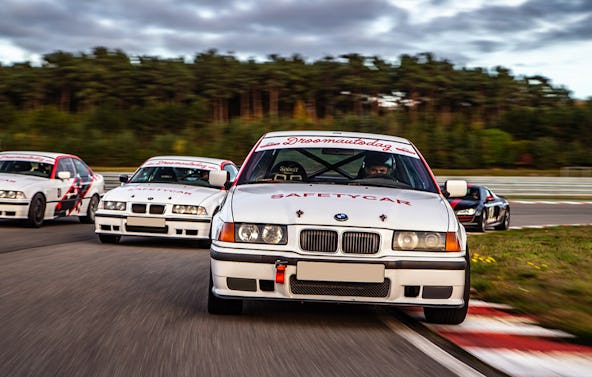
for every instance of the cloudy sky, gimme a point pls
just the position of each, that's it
(548, 37)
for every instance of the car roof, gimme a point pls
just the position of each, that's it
(337, 134)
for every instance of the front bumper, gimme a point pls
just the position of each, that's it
(196, 228)
(14, 209)
(432, 282)
(468, 220)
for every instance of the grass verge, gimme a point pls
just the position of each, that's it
(546, 273)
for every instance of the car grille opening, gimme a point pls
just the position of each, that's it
(327, 241)
(360, 243)
(318, 240)
(147, 229)
(154, 209)
(138, 208)
(157, 209)
(339, 288)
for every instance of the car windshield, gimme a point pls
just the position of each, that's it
(170, 174)
(337, 166)
(38, 169)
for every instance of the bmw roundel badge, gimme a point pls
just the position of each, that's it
(341, 217)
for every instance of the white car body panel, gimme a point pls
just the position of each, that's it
(242, 270)
(404, 209)
(64, 197)
(165, 223)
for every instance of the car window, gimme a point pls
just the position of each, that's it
(81, 168)
(66, 164)
(170, 174)
(39, 169)
(473, 193)
(232, 171)
(336, 166)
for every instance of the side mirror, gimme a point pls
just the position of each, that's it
(64, 174)
(218, 178)
(123, 178)
(455, 188)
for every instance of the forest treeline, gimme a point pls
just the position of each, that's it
(116, 110)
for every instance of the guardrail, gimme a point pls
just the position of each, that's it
(508, 186)
(533, 186)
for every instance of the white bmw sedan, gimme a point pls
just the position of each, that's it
(38, 186)
(168, 196)
(339, 217)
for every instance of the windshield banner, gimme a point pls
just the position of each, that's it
(336, 142)
(26, 157)
(182, 164)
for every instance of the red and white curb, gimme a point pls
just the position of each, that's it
(515, 344)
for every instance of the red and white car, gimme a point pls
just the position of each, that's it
(38, 186)
(168, 196)
(341, 217)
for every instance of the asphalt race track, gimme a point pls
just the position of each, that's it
(70, 306)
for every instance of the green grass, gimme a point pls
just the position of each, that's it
(546, 273)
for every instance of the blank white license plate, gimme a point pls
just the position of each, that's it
(350, 272)
(145, 221)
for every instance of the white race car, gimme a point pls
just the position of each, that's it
(38, 186)
(168, 196)
(343, 217)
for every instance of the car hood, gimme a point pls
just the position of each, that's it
(364, 206)
(161, 193)
(18, 181)
(458, 204)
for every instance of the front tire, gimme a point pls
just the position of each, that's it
(36, 211)
(204, 244)
(452, 316)
(505, 225)
(482, 222)
(90, 211)
(109, 238)
(217, 305)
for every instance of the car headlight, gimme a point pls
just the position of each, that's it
(112, 205)
(425, 241)
(189, 210)
(467, 211)
(5, 194)
(259, 233)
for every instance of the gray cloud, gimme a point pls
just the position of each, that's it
(311, 28)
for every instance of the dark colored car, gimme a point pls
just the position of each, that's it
(481, 208)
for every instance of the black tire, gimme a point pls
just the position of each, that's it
(481, 225)
(36, 211)
(204, 244)
(217, 305)
(109, 238)
(452, 316)
(93, 204)
(505, 225)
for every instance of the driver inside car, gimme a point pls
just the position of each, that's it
(377, 164)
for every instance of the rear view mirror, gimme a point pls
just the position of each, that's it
(64, 175)
(455, 188)
(123, 178)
